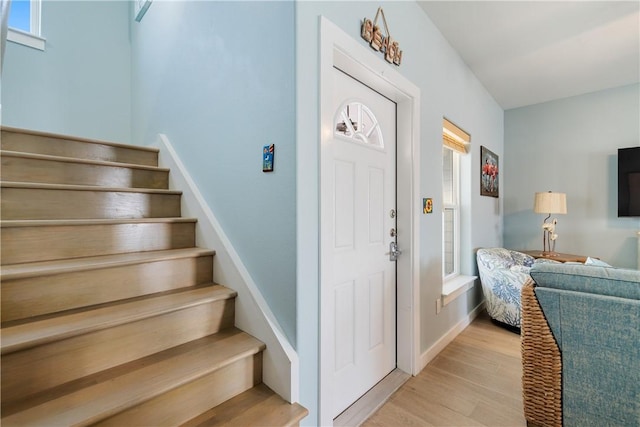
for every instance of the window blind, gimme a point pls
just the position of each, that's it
(454, 137)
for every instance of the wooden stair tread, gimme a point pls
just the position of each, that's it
(69, 146)
(49, 268)
(78, 139)
(258, 406)
(71, 222)
(38, 332)
(8, 153)
(68, 187)
(117, 389)
(118, 320)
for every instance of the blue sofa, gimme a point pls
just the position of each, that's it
(592, 316)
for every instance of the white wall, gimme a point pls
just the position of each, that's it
(81, 84)
(570, 145)
(448, 89)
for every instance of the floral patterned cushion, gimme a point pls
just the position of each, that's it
(502, 274)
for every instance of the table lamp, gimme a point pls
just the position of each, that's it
(549, 203)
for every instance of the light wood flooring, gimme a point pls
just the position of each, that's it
(474, 381)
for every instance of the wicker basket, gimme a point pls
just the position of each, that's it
(541, 364)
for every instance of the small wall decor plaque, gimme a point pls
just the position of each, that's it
(372, 33)
(427, 205)
(268, 153)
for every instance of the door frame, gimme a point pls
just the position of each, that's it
(339, 50)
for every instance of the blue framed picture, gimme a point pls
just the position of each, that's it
(268, 152)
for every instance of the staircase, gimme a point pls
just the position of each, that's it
(109, 311)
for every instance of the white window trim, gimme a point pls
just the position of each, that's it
(26, 39)
(456, 220)
(456, 286)
(31, 38)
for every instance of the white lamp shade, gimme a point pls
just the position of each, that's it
(550, 203)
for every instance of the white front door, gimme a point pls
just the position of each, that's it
(358, 223)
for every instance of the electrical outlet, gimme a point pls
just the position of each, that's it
(438, 305)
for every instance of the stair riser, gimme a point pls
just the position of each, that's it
(37, 144)
(42, 243)
(183, 403)
(258, 406)
(33, 296)
(74, 355)
(30, 371)
(29, 203)
(19, 169)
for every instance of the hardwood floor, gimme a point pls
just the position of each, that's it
(474, 381)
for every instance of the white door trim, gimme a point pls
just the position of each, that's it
(338, 49)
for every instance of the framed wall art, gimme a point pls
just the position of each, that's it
(268, 156)
(489, 173)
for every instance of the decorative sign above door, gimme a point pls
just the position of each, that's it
(382, 43)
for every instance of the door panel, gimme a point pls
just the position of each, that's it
(344, 204)
(358, 194)
(376, 206)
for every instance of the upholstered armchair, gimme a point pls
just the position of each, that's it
(502, 274)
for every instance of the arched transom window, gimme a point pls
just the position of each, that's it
(357, 122)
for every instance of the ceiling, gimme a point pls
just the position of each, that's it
(527, 52)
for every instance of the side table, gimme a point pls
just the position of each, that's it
(560, 257)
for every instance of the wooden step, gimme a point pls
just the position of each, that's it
(46, 353)
(109, 313)
(29, 241)
(37, 288)
(108, 393)
(258, 406)
(179, 405)
(55, 201)
(27, 141)
(27, 167)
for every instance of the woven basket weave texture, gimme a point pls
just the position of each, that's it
(541, 364)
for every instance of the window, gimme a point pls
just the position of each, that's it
(455, 196)
(450, 211)
(455, 142)
(24, 23)
(356, 122)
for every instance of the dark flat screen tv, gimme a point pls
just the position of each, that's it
(629, 181)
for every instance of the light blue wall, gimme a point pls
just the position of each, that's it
(570, 145)
(448, 88)
(81, 83)
(222, 79)
(218, 79)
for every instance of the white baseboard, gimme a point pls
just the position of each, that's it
(446, 339)
(280, 361)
